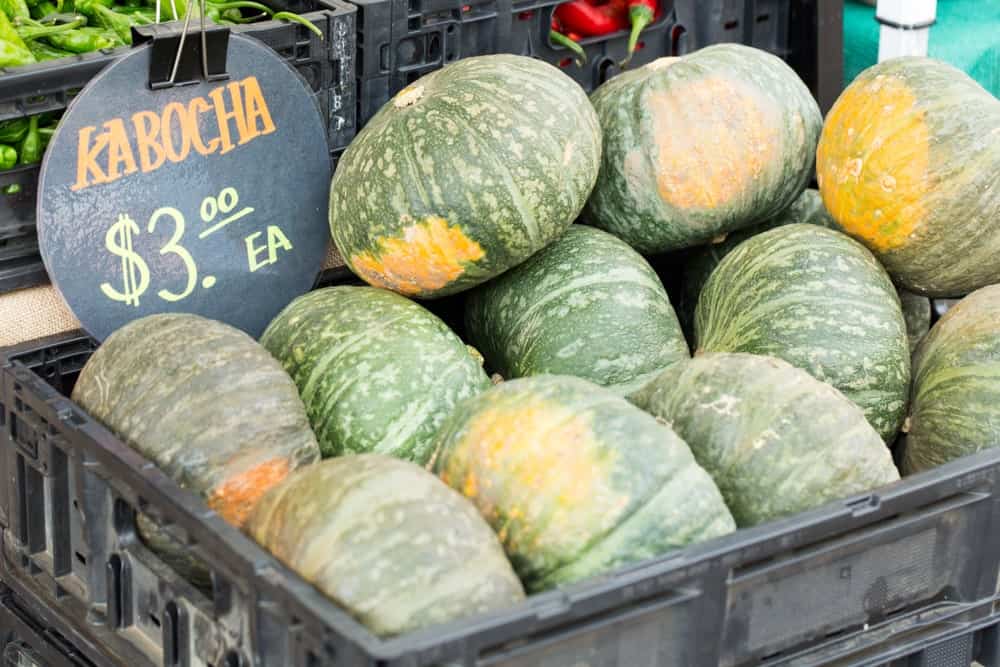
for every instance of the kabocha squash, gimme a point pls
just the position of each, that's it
(575, 480)
(955, 404)
(775, 440)
(808, 209)
(464, 174)
(388, 541)
(699, 146)
(820, 301)
(917, 313)
(909, 163)
(207, 405)
(376, 371)
(587, 305)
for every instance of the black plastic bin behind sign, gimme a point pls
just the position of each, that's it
(867, 581)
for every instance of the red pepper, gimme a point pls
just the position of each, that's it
(640, 13)
(566, 41)
(591, 20)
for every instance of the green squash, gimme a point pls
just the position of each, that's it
(700, 146)
(917, 313)
(376, 371)
(587, 305)
(464, 174)
(205, 403)
(821, 302)
(955, 402)
(775, 440)
(387, 541)
(808, 209)
(575, 480)
(908, 164)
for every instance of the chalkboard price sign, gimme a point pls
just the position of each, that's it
(209, 198)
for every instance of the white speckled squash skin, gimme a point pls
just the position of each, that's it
(820, 301)
(376, 371)
(205, 403)
(775, 440)
(464, 174)
(955, 403)
(587, 305)
(698, 146)
(387, 541)
(575, 480)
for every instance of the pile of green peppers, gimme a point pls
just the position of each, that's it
(33, 31)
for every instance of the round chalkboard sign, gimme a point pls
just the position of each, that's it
(208, 198)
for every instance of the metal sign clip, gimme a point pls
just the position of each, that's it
(177, 61)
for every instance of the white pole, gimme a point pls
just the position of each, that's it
(906, 26)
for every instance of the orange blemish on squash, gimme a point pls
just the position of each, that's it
(547, 473)
(713, 165)
(872, 167)
(237, 495)
(430, 255)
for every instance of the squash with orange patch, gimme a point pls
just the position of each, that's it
(576, 480)
(464, 174)
(698, 146)
(208, 405)
(909, 164)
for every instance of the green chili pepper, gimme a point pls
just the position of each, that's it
(13, 50)
(15, 8)
(289, 16)
(120, 24)
(85, 40)
(43, 9)
(31, 146)
(30, 30)
(8, 156)
(43, 51)
(12, 189)
(12, 131)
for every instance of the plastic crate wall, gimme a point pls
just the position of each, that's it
(763, 24)
(863, 581)
(401, 40)
(327, 64)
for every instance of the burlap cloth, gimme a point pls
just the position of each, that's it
(35, 312)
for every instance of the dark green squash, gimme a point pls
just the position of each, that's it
(955, 404)
(387, 541)
(775, 440)
(587, 305)
(700, 146)
(820, 301)
(575, 480)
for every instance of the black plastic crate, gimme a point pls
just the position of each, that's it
(26, 641)
(866, 581)
(327, 64)
(401, 40)
(763, 24)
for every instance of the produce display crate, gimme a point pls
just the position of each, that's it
(327, 64)
(763, 24)
(902, 571)
(399, 41)
(27, 641)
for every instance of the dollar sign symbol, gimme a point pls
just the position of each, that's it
(118, 241)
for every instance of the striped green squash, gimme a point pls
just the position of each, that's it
(775, 440)
(955, 404)
(917, 313)
(388, 541)
(464, 174)
(587, 305)
(205, 403)
(820, 301)
(575, 480)
(377, 372)
(808, 209)
(699, 146)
